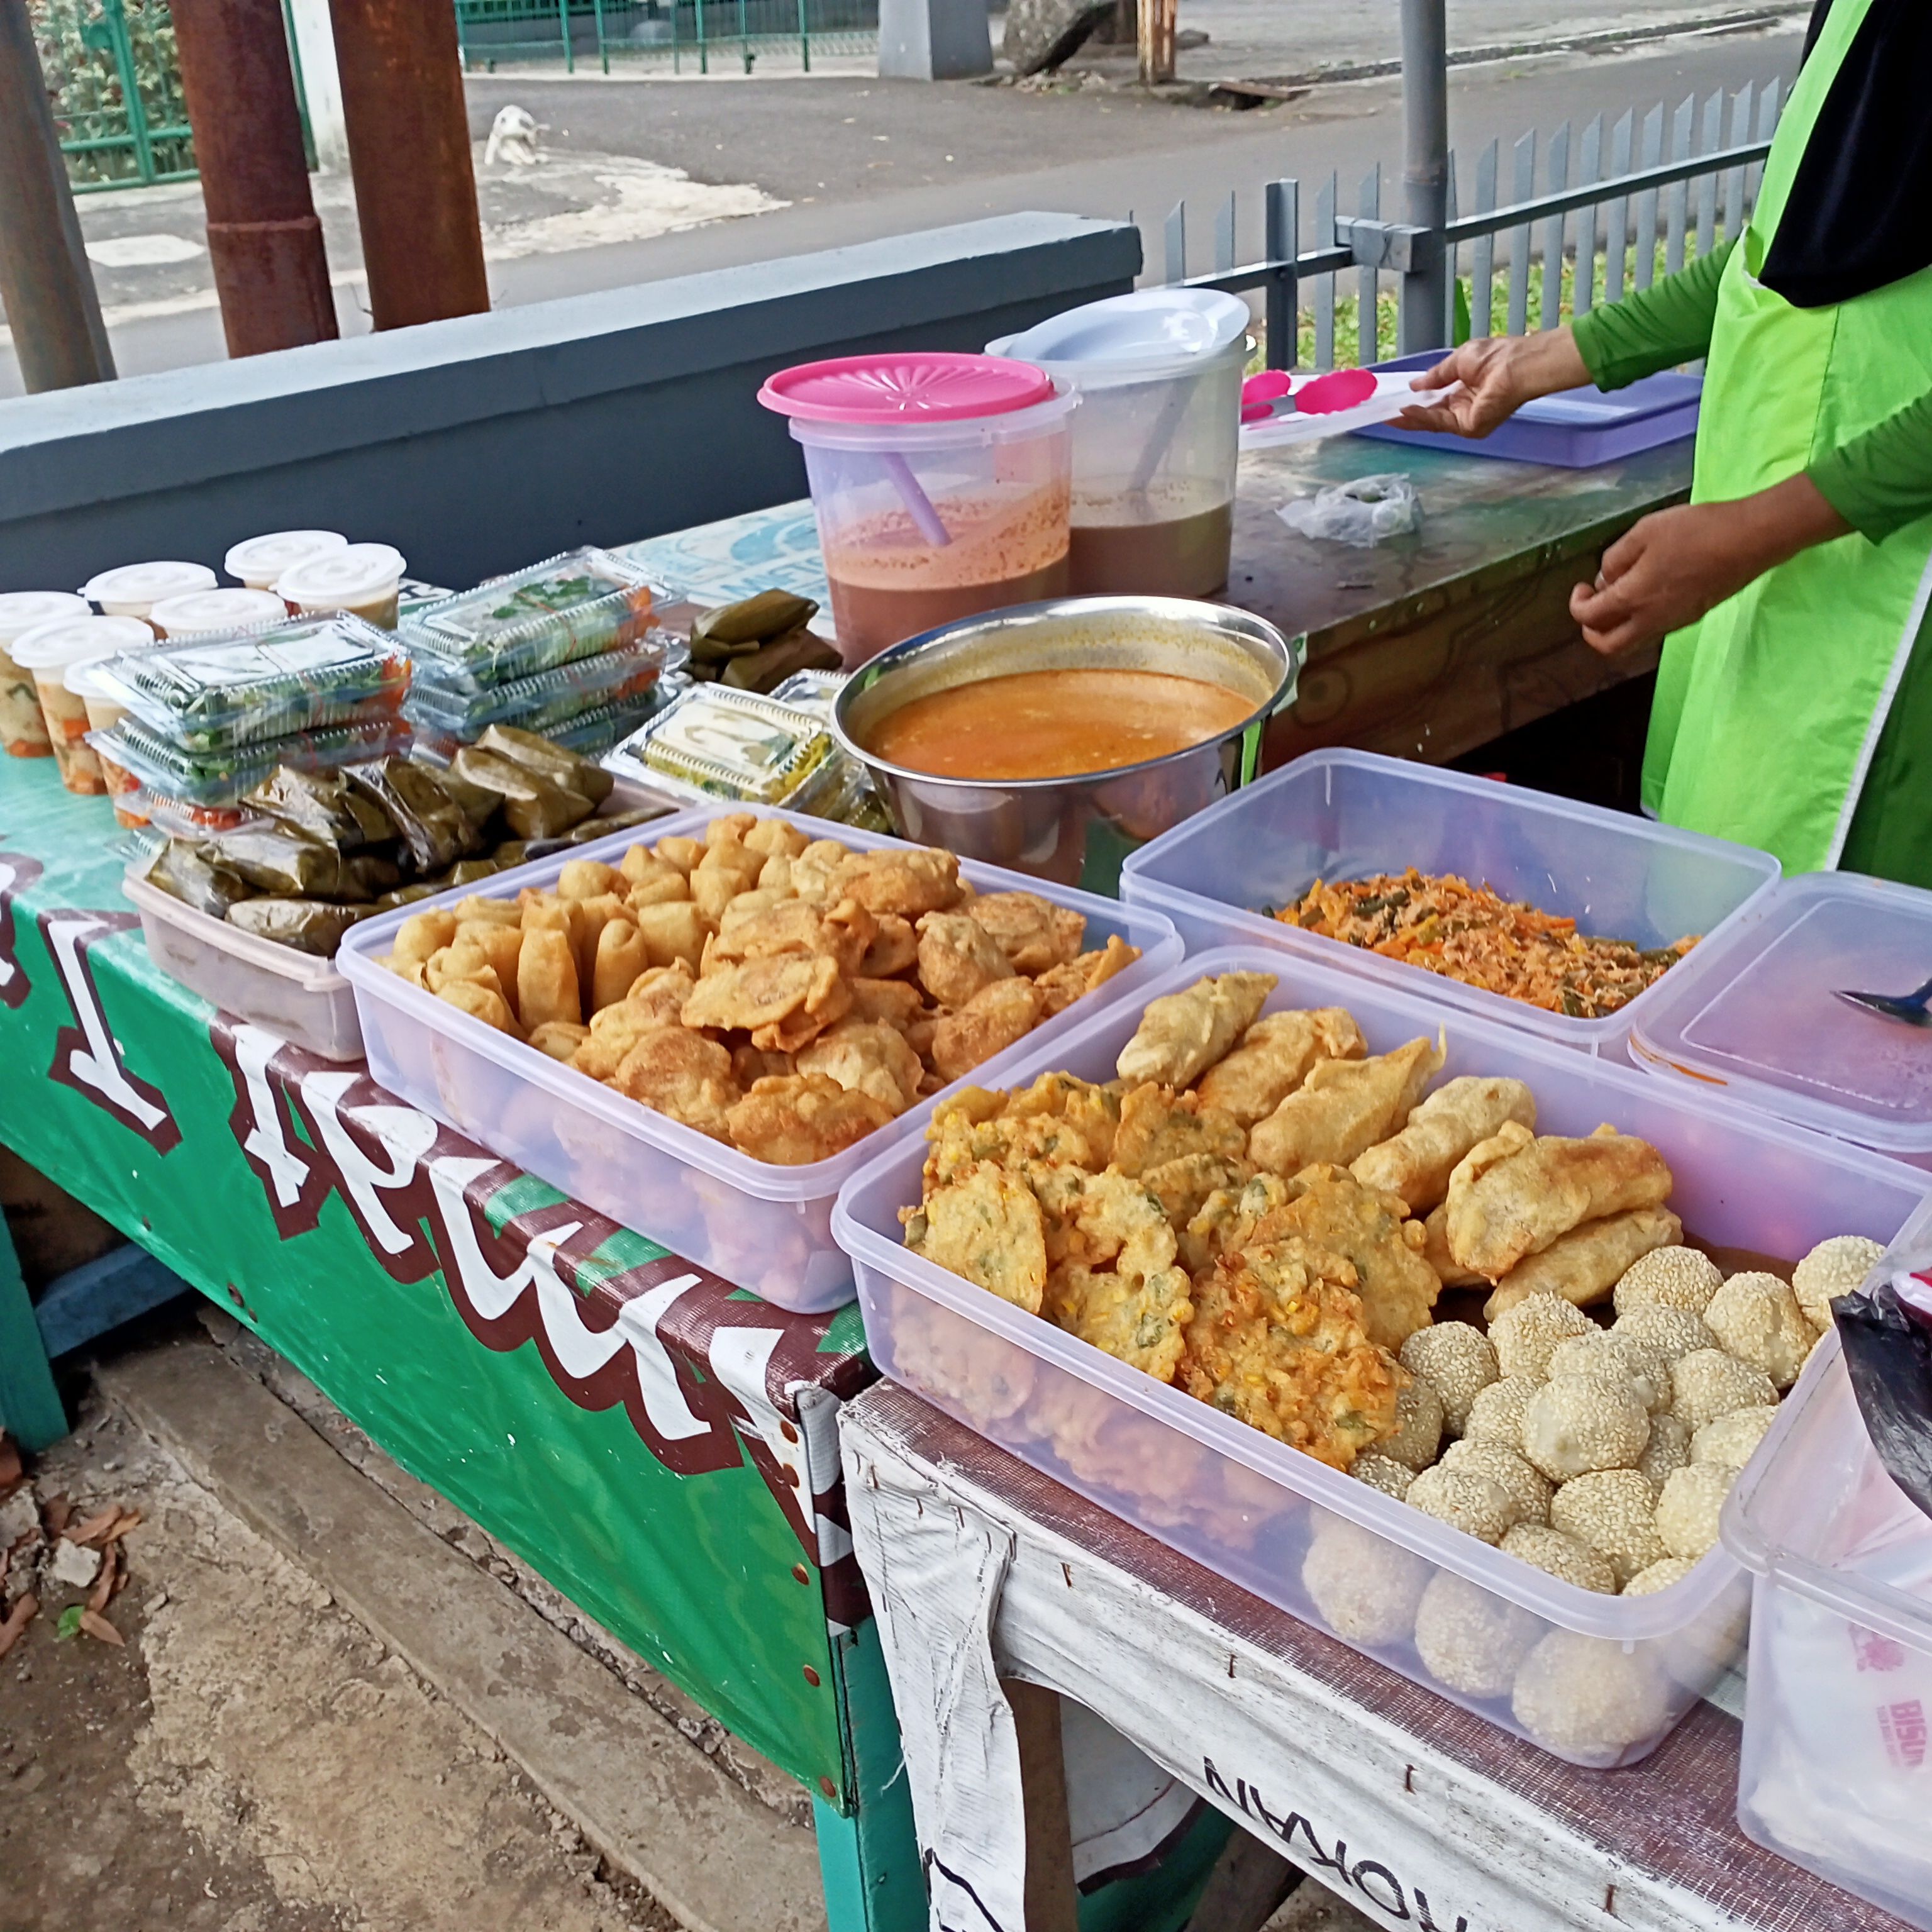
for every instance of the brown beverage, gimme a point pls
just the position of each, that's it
(1175, 556)
(868, 618)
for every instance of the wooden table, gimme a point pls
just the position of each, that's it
(1427, 647)
(985, 1574)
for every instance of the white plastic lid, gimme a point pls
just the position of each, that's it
(1756, 1011)
(1152, 332)
(338, 578)
(269, 555)
(145, 584)
(23, 610)
(71, 641)
(201, 611)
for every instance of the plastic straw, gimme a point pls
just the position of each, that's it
(1165, 424)
(918, 505)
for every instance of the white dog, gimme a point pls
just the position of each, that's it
(513, 139)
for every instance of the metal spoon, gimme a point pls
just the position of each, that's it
(1911, 1008)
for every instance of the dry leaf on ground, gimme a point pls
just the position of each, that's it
(98, 1628)
(94, 1532)
(22, 1613)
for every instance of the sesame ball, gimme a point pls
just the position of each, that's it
(1364, 1588)
(1673, 1332)
(1732, 1440)
(1668, 1448)
(1707, 1383)
(1615, 1512)
(1756, 1318)
(1659, 1576)
(1496, 1414)
(1832, 1268)
(1477, 1505)
(1526, 1336)
(1470, 1641)
(1688, 1508)
(1502, 1464)
(1589, 1699)
(1675, 1277)
(1380, 1472)
(1581, 1424)
(1620, 1357)
(1560, 1554)
(1456, 1360)
(1418, 1426)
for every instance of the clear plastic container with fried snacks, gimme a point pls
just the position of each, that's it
(578, 604)
(23, 725)
(260, 561)
(48, 652)
(133, 590)
(218, 779)
(714, 742)
(309, 673)
(364, 579)
(761, 1226)
(813, 690)
(558, 696)
(208, 613)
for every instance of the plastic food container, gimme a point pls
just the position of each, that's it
(712, 741)
(364, 579)
(764, 1228)
(197, 614)
(1339, 814)
(1836, 1768)
(48, 652)
(134, 588)
(581, 603)
(1250, 1508)
(940, 483)
(546, 698)
(104, 711)
(260, 561)
(23, 725)
(1753, 1011)
(1156, 437)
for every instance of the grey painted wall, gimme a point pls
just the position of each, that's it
(478, 445)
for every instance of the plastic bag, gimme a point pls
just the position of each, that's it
(1362, 513)
(1886, 1329)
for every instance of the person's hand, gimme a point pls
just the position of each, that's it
(1497, 376)
(1669, 569)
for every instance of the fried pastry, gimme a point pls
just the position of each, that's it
(1225, 1221)
(895, 946)
(957, 957)
(547, 986)
(1034, 934)
(895, 1002)
(763, 995)
(1344, 1107)
(480, 1001)
(1137, 1319)
(621, 957)
(1273, 1056)
(1158, 1125)
(986, 1228)
(908, 883)
(866, 1056)
(987, 1023)
(795, 1119)
(1181, 1035)
(559, 1039)
(679, 1073)
(1417, 1163)
(1585, 1265)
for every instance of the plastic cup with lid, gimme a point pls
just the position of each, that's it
(365, 579)
(201, 613)
(49, 651)
(260, 561)
(940, 482)
(23, 726)
(133, 590)
(104, 711)
(1155, 444)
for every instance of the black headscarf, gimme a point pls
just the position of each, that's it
(1859, 215)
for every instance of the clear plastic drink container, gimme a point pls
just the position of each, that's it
(941, 484)
(104, 711)
(260, 561)
(1156, 438)
(48, 652)
(365, 579)
(23, 726)
(201, 613)
(133, 590)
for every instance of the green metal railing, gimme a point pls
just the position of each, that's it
(679, 36)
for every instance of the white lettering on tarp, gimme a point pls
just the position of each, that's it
(407, 1134)
(286, 1171)
(741, 1358)
(86, 1055)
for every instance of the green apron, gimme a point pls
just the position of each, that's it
(1770, 711)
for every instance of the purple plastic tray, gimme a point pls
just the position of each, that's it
(1575, 430)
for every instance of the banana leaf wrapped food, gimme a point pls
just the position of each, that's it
(534, 806)
(184, 868)
(435, 829)
(306, 925)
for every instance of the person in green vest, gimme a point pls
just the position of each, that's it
(1794, 696)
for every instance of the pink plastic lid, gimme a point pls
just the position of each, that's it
(930, 385)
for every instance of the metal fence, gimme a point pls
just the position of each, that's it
(1614, 210)
(674, 36)
(115, 86)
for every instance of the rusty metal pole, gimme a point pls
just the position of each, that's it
(409, 153)
(264, 239)
(45, 282)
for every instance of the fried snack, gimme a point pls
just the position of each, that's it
(559, 1039)
(866, 1056)
(660, 991)
(1138, 1318)
(775, 837)
(1276, 1341)
(1333, 1210)
(753, 928)
(750, 1064)
(1274, 1057)
(648, 877)
(1185, 1185)
(499, 944)
(681, 1074)
(420, 935)
(480, 1001)
(1225, 1221)
(590, 879)
(797, 1119)
(815, 871)
(726, 870)
(546, 988)
(908, 883)
(681, 852)
(1060, 986)
(1513, 1195)
(1034, 934)
(1417, 1163)
(895, 946)
(987, 1023)
(986, 1228)
(475, 908)
(957, 957)
(1585, 1265)
(621, 957)
(1435, 1253)
(613, 1032)
(1181, 1035)
(1158, 1125)
(673, 929)
(1344, 1107)
(588, 918)
(895, 1002)
(762, 995)
(1093, 1111)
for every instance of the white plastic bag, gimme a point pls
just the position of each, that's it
(1361, 513)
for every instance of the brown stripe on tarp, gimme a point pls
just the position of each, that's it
(1674, 1814)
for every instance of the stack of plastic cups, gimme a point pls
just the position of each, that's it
(23, 725)
(364, 579)
(52, 651)
(260, 561)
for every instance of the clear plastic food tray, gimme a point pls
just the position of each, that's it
(546, 698)
(1247, 1506)
(1340, 814)
(764, 1228)
(217, 780)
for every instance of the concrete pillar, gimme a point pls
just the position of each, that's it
(933, 40)
(321, 85)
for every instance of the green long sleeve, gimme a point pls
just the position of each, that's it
(1654, 328)
(1881, 481)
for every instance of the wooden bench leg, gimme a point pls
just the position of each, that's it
(1245, 1889)
(31, 1410)
(1052, 1901)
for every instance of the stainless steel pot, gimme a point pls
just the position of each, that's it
(1074, 830)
